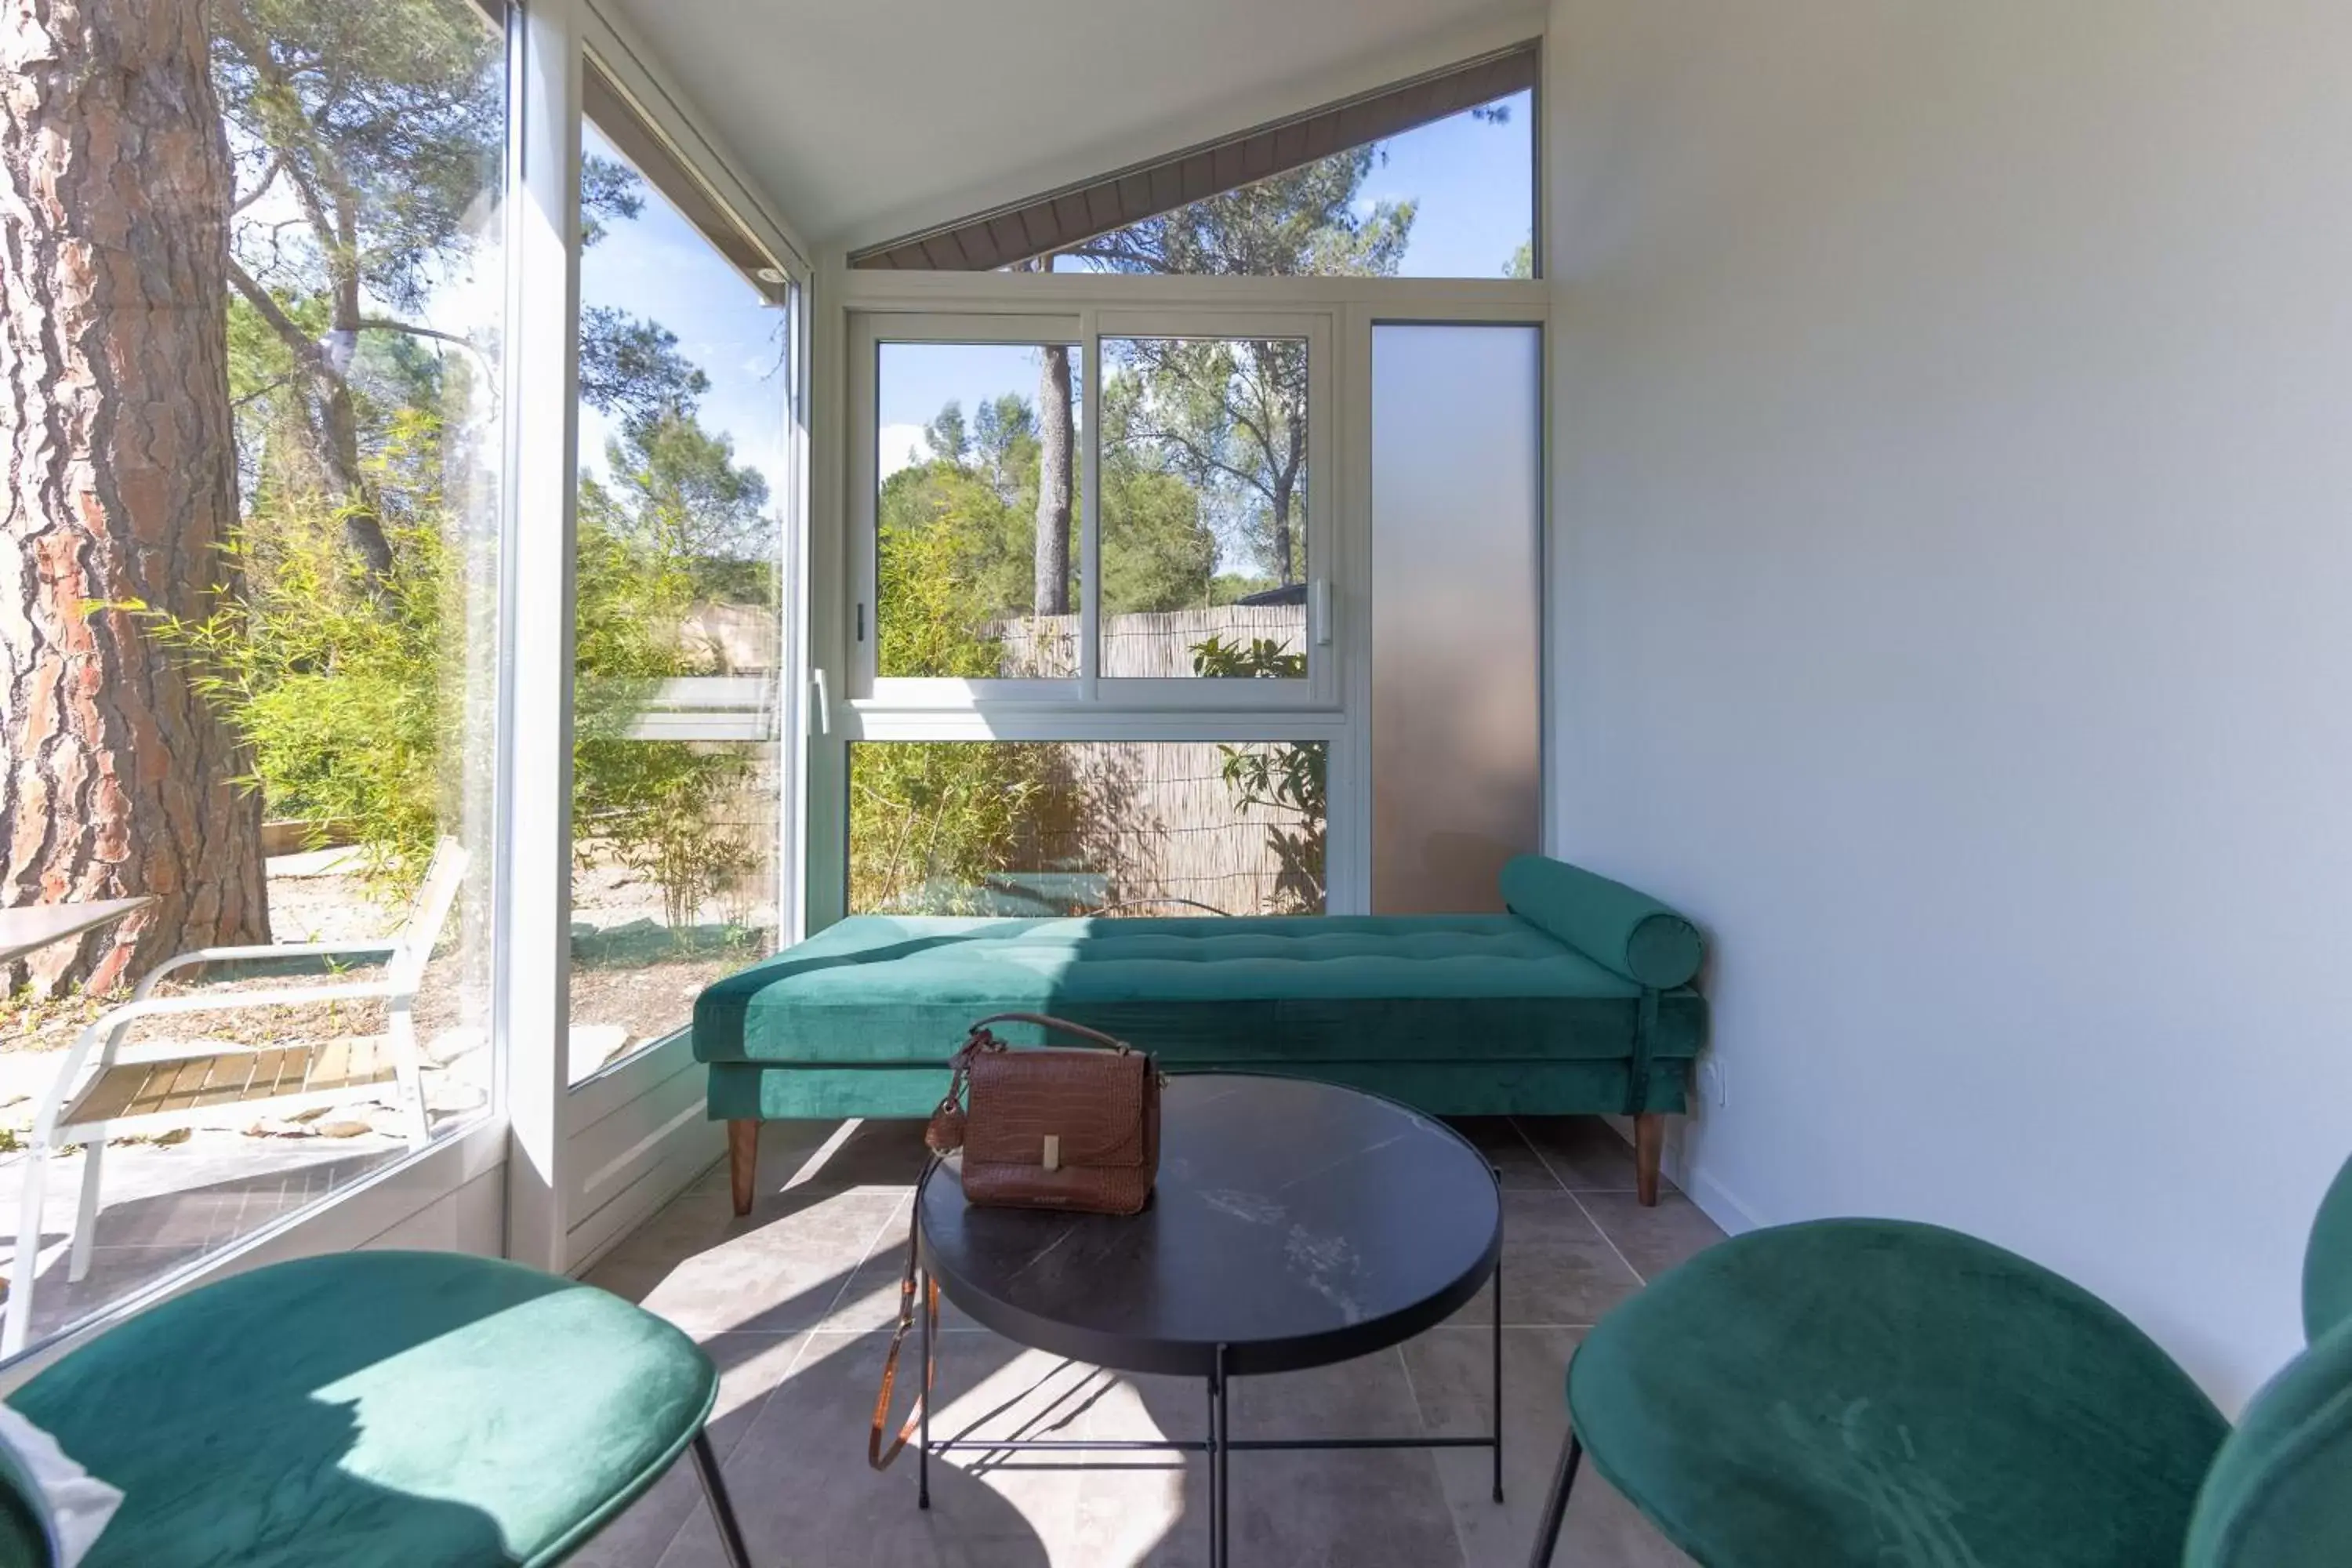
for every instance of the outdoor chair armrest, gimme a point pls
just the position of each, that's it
(111, 1022)
(258, 949)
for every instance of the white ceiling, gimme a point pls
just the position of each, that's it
(861, 120)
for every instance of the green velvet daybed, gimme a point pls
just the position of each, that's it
(1579, 1000)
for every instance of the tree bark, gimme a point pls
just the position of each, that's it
(1280, 506)
(1053, 443)
(116, 777)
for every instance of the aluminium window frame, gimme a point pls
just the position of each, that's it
(1089, 691)
(1111, 304)
(586, 1162)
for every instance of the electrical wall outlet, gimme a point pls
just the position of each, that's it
(1712, 1088)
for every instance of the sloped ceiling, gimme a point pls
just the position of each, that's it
(861, 120)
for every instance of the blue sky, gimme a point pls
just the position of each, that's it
(656, 264)
(1473, 182)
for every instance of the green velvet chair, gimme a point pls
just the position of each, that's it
(371, 1410)
(1871, 1392)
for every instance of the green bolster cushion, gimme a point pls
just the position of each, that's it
(1624, 931)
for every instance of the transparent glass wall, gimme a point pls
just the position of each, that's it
(1204, 508)
(1456, 588)
(685, 388)
(266, 653)
(1070, 828)
(976, 517)
(1454, 198)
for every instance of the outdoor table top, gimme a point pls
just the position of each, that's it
(30, 926)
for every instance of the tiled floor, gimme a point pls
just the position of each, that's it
(795, 1302)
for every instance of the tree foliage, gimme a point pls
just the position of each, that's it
(1231, 416)
(370, 144)
(1305, 223)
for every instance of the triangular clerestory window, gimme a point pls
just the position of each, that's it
(1433, 177)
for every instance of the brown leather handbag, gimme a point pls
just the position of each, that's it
(1049, 1127)
(1045, 1128)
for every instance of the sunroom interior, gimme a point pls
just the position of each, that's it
(524, 510)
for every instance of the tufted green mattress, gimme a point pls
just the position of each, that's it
(1454, 1013)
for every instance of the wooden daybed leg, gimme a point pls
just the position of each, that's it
(743, 1163)
(1649, 1147)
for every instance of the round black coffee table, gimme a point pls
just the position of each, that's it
(1295, 1224)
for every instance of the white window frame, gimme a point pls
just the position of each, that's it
(1089, 692)
(868, 688)
(606, 1151)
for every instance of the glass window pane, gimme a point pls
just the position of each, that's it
(1454, 198)
(976, 519)
(684, 417)
(1204, 508)
(989, 828)
(1456, 524)
(263, 654)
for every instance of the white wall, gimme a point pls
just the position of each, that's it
(1952, 574)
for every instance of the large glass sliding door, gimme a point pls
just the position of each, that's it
(686, 381)
(259, 525)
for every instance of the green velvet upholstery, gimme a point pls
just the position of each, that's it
(1869, 1392)
(1874, 1392)
(2280, 1494)
(1456, 1013)
(878, 988)
(743, 1091)
(2327, 1261)
(1631, 932)
(374, 1410)
(24, 1538)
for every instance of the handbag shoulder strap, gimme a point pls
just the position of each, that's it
(875, 1455)
(1047, 1021)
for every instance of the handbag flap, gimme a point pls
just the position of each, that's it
(1091, 1100)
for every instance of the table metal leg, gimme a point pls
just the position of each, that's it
(1209, 1454)
(1498, 1377)
(1220, 1502)
(923, 1438)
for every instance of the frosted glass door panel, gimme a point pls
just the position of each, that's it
(1456, 471)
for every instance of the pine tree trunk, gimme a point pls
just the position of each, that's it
(1284, 571)
(1052, 575)
(116, 778)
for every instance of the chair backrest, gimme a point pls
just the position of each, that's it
(2327, 1260)
(443, 878)
(2280, 1493)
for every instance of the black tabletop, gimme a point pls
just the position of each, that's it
(1297, 1223)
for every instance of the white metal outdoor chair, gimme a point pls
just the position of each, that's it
(156, 1087)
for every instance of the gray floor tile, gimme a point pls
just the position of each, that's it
(784, 1147)
(1652, 1239)
(827, 1251)
(870, 1300)
(1515, 1163)
(1369, 1508)
(1557, 1268)
(805, 1494)
(778, 1271)
(877, 1153)
(1451, 1374)
(1584, 1152)
(751, 1367)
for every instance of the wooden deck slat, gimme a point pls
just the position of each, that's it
(135, 1091)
